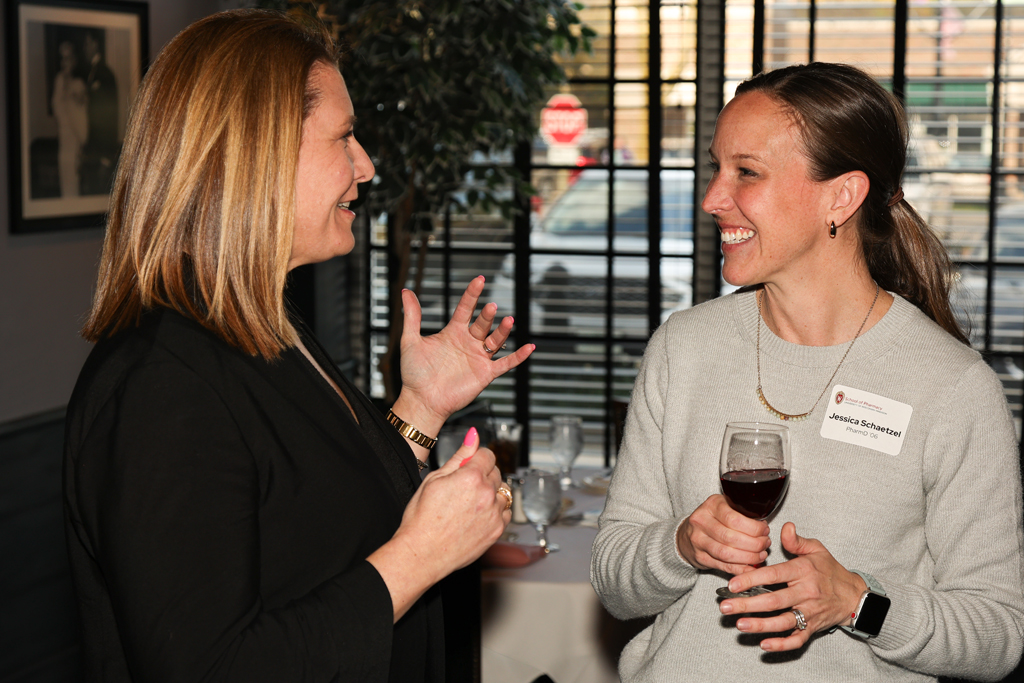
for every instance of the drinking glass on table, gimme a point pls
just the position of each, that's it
(566, 444)
(754, 473)
(505, 445)
(542, 501)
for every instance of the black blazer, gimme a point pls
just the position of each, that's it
(219, 510)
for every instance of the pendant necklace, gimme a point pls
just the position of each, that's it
(786, 417)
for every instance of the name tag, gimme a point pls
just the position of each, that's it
(864, 419)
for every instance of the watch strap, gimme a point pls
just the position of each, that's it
(410, 432)
(871, 582)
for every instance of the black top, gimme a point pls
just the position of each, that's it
(219, 510)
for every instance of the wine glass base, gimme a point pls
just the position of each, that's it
(724, 592)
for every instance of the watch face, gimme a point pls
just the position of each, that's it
(872, 613)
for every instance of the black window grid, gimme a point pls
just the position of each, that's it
(986, 339)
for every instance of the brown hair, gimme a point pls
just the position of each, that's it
(851, 123)
(202, 209)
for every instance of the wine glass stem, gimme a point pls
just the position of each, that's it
(565, 478)
(542, 535)
(762, 564)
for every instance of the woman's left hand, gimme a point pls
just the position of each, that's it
(445, 371)
(821, 588)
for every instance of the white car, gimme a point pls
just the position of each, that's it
(568, 290)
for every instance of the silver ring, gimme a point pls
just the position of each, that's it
(489, 350)
(507, 493)
(801, 621)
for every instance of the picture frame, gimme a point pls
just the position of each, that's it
(73, 69)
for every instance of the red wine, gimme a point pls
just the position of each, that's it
(755, 493)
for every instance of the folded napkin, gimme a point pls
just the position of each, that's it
(510, 555)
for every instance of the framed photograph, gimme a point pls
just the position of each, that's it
(73, 69)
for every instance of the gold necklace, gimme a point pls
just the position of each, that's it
(786, 417)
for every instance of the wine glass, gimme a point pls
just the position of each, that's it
(754, 473)
(542, 501)
(566, 444)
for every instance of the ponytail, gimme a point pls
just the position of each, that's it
(905, 256)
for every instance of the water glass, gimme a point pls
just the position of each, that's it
(566, 444)
(542, 501)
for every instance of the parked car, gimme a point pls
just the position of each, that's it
(568, 290)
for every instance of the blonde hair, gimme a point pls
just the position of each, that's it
(202, 209)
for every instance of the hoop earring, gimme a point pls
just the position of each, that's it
(832, 230)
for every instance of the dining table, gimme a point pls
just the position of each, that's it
(545, 618)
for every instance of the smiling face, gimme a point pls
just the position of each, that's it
(772, 216)
(331, 164)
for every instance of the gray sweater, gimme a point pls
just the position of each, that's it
(939, 524)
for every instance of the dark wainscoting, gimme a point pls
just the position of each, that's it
(38, 627)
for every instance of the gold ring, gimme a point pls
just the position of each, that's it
(507, 492)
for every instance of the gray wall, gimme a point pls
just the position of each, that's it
(46, 280)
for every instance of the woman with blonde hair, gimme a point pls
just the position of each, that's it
(235, 508)
(897, 552)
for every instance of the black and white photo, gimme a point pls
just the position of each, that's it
(73, 68)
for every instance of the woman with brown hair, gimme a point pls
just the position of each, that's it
(235, 508)
(897, 551)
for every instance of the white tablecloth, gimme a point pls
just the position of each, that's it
(545, 618)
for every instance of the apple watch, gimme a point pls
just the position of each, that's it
(867, 619)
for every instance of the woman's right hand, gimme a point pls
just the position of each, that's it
(454, 516)
(715, 536)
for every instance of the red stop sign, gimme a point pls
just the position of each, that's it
(563, 121)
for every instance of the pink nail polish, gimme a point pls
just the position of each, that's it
(470, 437)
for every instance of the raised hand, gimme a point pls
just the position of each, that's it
(821, 588)
(445, 371)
